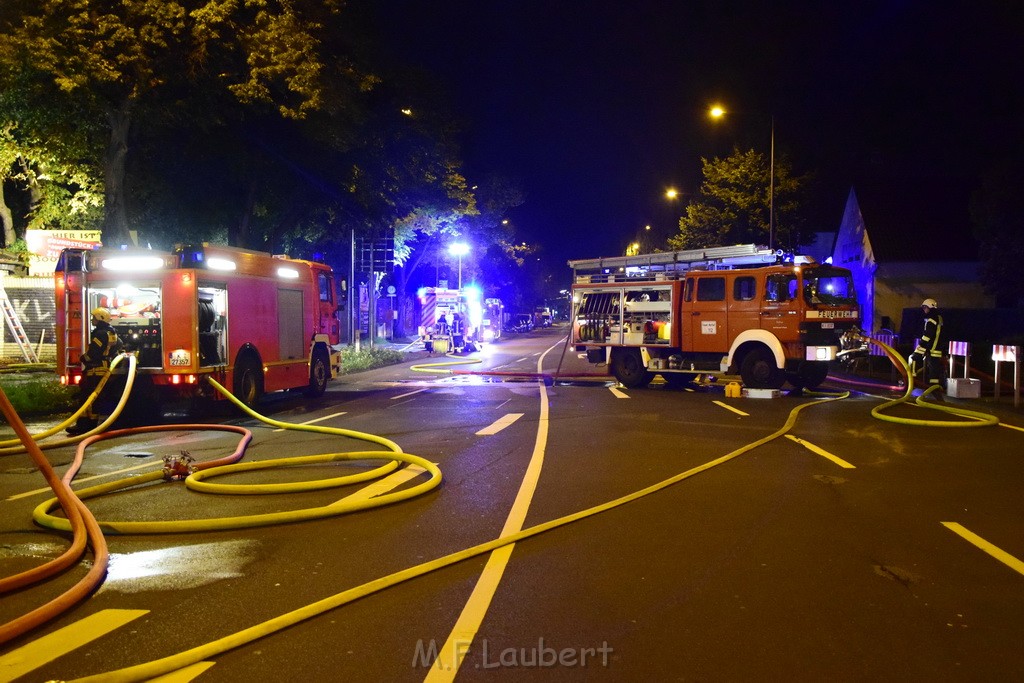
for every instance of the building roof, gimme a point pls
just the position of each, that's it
(918, 220)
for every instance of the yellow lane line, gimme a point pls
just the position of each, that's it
(499, 424)
(617, 393)
(319, 419)
(976, 540)
(47, 648)
(822, 452)
(410, 393)
(729, 407)
(82, 480)
(382, 486)
(452, 653)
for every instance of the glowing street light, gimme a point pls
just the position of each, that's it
(716, 112)
(459, 249)
(672, 193)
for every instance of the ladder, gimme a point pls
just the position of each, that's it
(672, 265)
(14, 323)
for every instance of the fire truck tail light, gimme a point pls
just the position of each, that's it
(175, 379)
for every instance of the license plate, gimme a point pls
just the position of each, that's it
(828, 326)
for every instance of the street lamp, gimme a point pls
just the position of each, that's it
(716, 112)
(459, 249)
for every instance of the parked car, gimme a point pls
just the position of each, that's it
(521, 322)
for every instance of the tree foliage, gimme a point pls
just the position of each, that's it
(999, 227)
(132, 61)
(733, 204)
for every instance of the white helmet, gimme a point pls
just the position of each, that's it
(930, 303)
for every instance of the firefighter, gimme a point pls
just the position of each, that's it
(103, 346)
(458, 333)
(928, 353)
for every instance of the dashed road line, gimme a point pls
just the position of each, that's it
(319, 419)
(822, 452)
(979, 542)
(499, 424)
(729, 407)
(617, 393)
(45, 649)
(408, 394)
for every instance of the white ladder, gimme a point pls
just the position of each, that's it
(14, 323)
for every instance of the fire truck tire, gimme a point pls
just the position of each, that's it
(628, 368)
(758, 370)
(248, 382)
(319, 374)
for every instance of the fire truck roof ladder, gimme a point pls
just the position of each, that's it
(670, 265)
(17, 330)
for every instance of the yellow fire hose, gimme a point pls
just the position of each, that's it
(12, 446)
(181, 660)
(197, 481)
(973, 418)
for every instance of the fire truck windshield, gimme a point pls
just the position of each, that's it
(829, 286)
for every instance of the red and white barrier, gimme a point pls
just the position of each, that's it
(1008, 354)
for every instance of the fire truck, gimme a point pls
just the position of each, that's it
(254, 322)
(435, 302)
(767, 316)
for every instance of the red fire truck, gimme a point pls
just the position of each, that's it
(254, 322)
(767, 316)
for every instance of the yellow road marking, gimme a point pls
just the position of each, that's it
(729, 407)
(617, 393)
(189, 673)
(976, 540)
(499, 424)
(821, 451)
(410, 393)
(382, 486)
(450, 657)
(47, 648)
(319, 419)
(82, 480)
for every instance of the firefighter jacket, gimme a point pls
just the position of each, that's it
(104, 344)
(929, 344)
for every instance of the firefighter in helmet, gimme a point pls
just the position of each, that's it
(103, 346)
(928, 352)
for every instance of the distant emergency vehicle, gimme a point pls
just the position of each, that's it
(254, 322)
(435, 303)
(761, 314)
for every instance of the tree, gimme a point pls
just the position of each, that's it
(999, 227)
(733, 207)
(45, 152)
(130, 60)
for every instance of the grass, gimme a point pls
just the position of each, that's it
(368, 358)
(38, 394)
(43, 394)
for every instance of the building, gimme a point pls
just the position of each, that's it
(897, 263)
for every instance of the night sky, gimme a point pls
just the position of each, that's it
(597, 107)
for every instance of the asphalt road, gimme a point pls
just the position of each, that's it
(860, 549)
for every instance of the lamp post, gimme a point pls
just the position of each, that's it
(459, 249)
(716, 112)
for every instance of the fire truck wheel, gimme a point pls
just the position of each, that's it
(628, 368)
(759, 371)
(248, 382)
(319, 373)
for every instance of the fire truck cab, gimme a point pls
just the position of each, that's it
(767, 316)
(254, 322)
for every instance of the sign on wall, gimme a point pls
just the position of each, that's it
(46, 245)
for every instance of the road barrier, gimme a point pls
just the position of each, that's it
(1008, 354)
